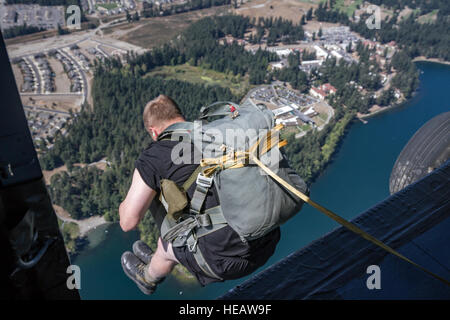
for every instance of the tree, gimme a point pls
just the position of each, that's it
(309, 14)
(42, 145)
(349, 47)
(62, 31)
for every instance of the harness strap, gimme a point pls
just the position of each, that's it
(217, 219)
(206, 223)
(198, 198)
(198, 256)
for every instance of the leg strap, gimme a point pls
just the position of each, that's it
(196, 252)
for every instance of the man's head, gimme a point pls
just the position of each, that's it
(160, 113)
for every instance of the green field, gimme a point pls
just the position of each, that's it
(429, 17)
(347, 6)
(185, 72)
(323, 116)
(107, 6)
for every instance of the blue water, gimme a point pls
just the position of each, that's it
(357, 179)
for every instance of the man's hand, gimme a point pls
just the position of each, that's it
(138, 199)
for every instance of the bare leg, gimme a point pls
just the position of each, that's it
(163, 261)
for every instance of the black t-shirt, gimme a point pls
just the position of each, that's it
(223, 250)
(155, 163)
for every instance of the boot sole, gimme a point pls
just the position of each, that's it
(137, 253)
(141, 287)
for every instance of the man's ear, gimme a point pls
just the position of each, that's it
(156, 132)
(151, 132)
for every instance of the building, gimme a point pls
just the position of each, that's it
(311, 112)
(278, 65)
(337, 55)
(283, 53)
(307, 66)
(392, 44)
(370, 44)
(322, 91)
(328, 88)
(317, 93)
(312, 62)
(291, 121)
(280, 111)
(320, 53)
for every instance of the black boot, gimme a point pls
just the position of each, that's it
(137, 271)
(142, 251)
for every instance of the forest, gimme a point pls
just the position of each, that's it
(20, 31)
(278, 29)
(199, 46)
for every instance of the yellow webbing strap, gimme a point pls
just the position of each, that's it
(236, 161)
(187, 184)
(344, 222)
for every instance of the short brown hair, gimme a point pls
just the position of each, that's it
(162, 108)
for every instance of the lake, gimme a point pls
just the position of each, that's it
(357, 179)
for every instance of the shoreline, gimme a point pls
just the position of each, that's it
(84, 225)
(434, 60)
(89, 224)
(380, 110)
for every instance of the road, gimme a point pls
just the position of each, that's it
(101, 51)
(52, 94)
(54, 43)
(36, 74)
(107, 44)
(47, 110)
(80, 71)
